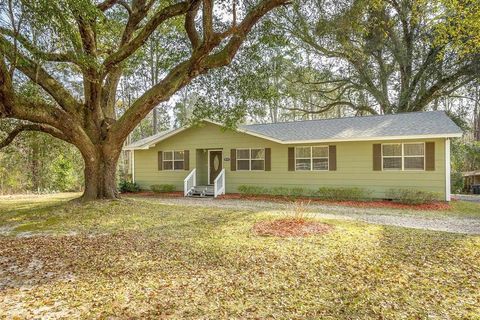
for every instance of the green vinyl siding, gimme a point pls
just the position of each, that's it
(354, 164)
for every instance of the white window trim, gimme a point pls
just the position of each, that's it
(173, 160)
(403, 156)
(250, 159)
(312, 157)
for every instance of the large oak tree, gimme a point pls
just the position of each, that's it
(88, 41)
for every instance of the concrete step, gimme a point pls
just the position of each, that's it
(202, 191)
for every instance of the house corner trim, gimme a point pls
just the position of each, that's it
(447, 170)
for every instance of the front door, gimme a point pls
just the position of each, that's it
(214, 165)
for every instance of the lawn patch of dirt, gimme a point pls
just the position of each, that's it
(290, 228)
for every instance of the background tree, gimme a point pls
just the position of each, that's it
(385, 56)
(92, 42)
(38, 163)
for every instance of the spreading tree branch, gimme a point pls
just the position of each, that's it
(238, 34)
(131, 46)
(207, 20)
(6, 89)
(39, 76)
(42, 55)
(324, 108)
(32, 127)
(190, 27)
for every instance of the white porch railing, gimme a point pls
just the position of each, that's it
(190, 181)
(219, 184)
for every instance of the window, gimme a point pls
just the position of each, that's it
(392, 156)
(251, 159)
(403, 156)
(414, 156)
(311, 158)
(173, 160)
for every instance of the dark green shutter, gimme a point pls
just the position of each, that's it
(430, 156)
(332, 158)
(186, 159)
(291, 159)
(233, 159)
(268, 159)
(160, 161)
(377, 157)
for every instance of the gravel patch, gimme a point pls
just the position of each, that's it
(467, 197)
(381, 216)
(455, 225)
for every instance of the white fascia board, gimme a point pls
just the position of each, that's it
(135, 148)
(258, 135)
(152, 143)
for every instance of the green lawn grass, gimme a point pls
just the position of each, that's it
(465, 209)
(136, 258)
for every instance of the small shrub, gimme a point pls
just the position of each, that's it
(162, 188)
(251, 190)
(343, 193)
(289, 192)
(411, 196)
(128, 186)
(279, 191)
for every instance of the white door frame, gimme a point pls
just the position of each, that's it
(208, 162)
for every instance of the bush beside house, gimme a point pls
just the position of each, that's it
(404, 196)
(412, 196)
(162, 188)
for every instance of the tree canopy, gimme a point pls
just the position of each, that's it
(77, 56)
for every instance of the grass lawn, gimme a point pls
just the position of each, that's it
(136, 258)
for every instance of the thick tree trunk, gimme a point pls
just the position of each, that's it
(100, 174)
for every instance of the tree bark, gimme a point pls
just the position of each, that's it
(100, 174)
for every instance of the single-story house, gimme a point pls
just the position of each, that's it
(378, 153)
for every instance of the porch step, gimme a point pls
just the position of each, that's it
(201, 191)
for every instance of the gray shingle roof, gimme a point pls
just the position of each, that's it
(397, 125)
(433, 123)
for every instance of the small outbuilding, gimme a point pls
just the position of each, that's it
(471, 179)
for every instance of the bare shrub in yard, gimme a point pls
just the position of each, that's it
(299, 209)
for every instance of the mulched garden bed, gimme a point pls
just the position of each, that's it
(174, 194)
(290, 228)
(358, 204)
